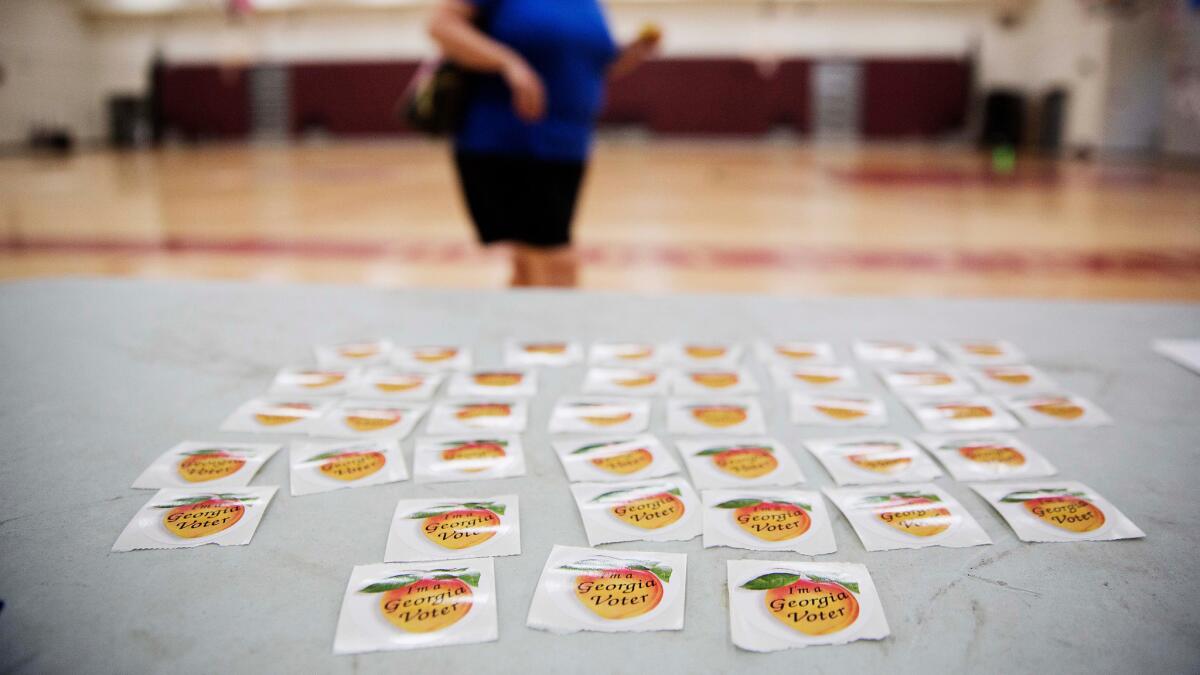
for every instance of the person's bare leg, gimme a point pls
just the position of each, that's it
(520, 267)
(556, 267)
(563, 267)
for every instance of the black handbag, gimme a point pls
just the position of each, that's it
(437, 98)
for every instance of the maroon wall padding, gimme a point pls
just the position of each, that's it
(706, 96)
(349, 98)
(901, 97)
(791, 94)
(914, 97)
(692, 96)
(627, 99)
(206, 101)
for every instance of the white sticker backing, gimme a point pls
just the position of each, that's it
(838, 410)
(614, 458)
(664, 509)
(907, 516)
(191, 517)
(281, 415)
(206, 465)
(742, 415)
(776, 605)
(474, 415)
(1057, 511)
(369, 419)
(961, 413)
(987, 456)
(398, 606)
(446, 529)
(585, 589)
(335, 465)
(738, 462)
(582, 415)
(869, 460)
(625, 381)
(768, 520)
(467, 458)
(1057, 410)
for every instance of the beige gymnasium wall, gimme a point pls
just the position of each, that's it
(64, 65)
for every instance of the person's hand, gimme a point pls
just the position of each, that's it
(648, 39)
(528, 93)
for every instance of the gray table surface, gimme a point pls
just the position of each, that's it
(100, 377)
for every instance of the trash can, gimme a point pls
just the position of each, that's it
(127, 122)
(1003, 119)
(1051, 121)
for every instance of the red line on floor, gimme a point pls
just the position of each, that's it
(1107, 262)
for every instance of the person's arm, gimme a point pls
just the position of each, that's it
(462, 42)
(634, 53)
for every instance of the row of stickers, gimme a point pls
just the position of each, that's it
(907, 516)
(773, 605)
(565, 353)
(324, 466)
(390, 383)
(350, 418)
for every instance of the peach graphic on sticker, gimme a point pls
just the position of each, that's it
(555, 348)
(705, 351)
(498, 379)
(772, 520)
(477, 410)
(1066, 510)
(203, 515)
(983, 349)
(349, 465)
(200, 466)
(317, 379)
(398, 383)
(927, 378)
(813, 605)
(602, 414)
(913, 513)
(880, 457)
(633, 381)
(743, 461)
(1008, 375)
(372, 419)
(796, 353)
(359, 350)
(810, 377)
(434, 354)
(459, 526)
(620, 463)
(990, 453)
(842, 409)
(425, 601)
(616, 589)
(283, 413)
(634, 352)
(475, 456)
(715, 380)
(963, 411)
(719, 416)
(643, 509)
(1062, 408)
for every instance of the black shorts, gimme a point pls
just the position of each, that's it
(520, 199)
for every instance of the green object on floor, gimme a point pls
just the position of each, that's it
(1004, 159)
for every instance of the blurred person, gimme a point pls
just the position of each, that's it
(522, 150)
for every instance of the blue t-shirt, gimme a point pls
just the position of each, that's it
(568, 43)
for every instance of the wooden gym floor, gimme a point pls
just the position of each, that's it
(761, 216)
